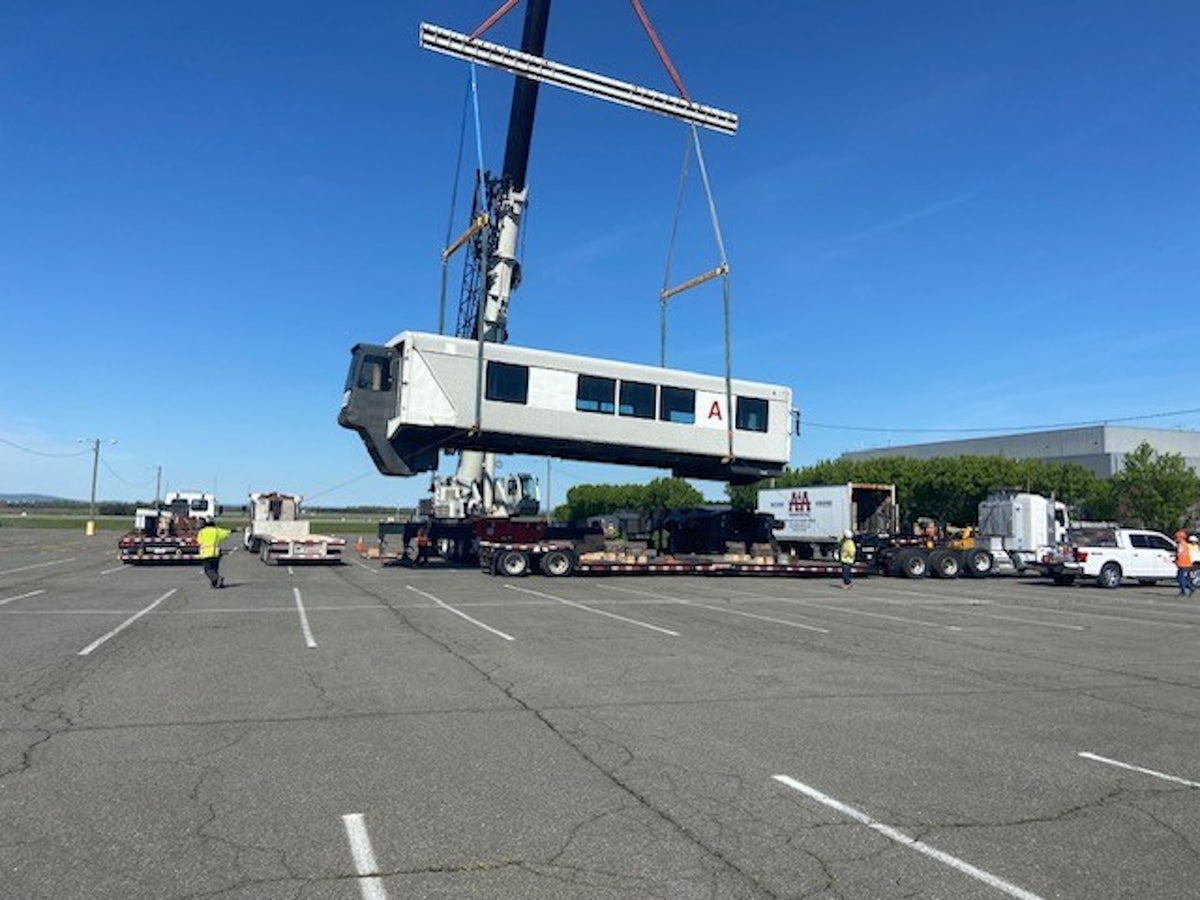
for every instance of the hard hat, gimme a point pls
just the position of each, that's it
(847, 533)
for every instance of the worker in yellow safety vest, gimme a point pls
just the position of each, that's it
(847, 553)
(210, 537)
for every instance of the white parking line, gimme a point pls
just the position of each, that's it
(1026, 621)
(369, 883)
(368, 568)
(308, 635)
(448, 607)
(1097, 615)
(720, 609)
(599, 612)
(1132, 768)
(119, 568)
(863, 612)
(903, 839)
(100, 640)
(21, 597)
(57, 562)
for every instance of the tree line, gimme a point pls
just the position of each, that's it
(1153, 490)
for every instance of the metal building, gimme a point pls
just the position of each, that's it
(1100, 448)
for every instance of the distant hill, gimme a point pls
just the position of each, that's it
(33, 500)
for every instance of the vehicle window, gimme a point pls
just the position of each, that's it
(375, 374)
(1158, 542)
(637, 400)
(595, 394)
(678, 405)
(1141, 541)
(507, 383)
(751, 414)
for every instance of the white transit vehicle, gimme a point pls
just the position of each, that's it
(421, 393)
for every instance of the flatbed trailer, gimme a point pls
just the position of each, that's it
(166, 533)
(561, 558)
(277, 550)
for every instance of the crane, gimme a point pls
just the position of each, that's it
(386, 380)
(473, 489)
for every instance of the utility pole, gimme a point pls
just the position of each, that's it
(157, 487)
(90, 528)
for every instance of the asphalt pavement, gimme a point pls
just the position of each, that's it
(358, 731)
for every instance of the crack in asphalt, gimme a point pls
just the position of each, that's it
(639, 797)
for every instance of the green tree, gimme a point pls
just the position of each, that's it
(669, 493)
(1155, 490)
(947, 488)
(587, 500)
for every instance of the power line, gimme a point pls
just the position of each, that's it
(40, 453)
(1002, 428)
(123, 481)
(337, 487)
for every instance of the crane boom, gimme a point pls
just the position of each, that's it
(472, 490)
(508, 195)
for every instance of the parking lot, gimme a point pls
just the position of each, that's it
(364, 732)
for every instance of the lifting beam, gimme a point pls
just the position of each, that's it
(462, 46)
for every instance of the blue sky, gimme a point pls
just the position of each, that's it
(942, 219)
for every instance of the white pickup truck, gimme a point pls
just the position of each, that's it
(1110, 555)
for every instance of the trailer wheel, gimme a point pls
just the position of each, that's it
(1110, 575)
(558, 563)
(943, 564)
(911, 563)
(512, 563)
(978, 563)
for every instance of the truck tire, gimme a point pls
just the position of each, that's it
(911, 563)
(978, 563)
(558, 563)
(512, 564)
(943, 564)
(1110, 575)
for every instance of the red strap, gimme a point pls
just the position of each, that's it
(662, 53)
(494, 18)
